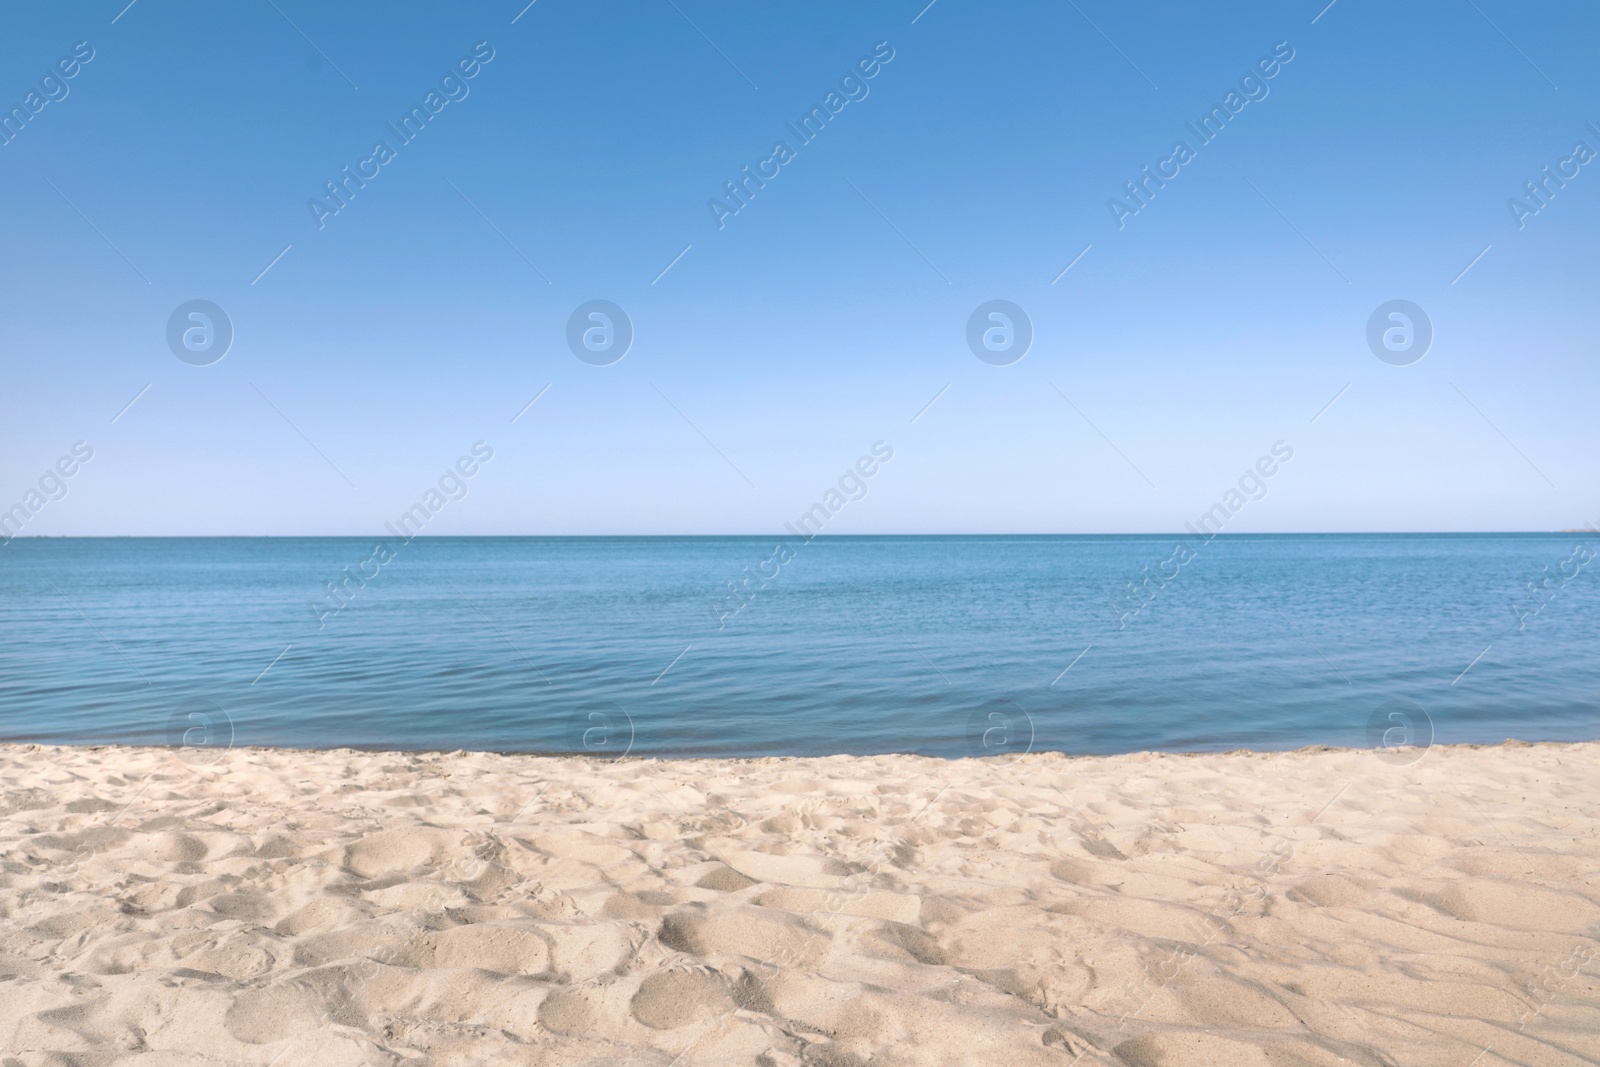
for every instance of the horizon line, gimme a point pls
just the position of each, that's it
(766, 536)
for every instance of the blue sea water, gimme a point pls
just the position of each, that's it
(946, 646)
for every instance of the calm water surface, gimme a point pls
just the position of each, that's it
(937, 645)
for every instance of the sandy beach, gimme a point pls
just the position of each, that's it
(340, 908)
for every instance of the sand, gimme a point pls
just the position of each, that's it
(333, 908)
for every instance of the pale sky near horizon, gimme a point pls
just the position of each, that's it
(1172, 347)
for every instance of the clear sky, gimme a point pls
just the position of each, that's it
(976, 164)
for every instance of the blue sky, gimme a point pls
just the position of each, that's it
(825, 315)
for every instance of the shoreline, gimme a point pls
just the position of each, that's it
(1311, 749)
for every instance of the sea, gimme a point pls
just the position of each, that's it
(947, 646)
